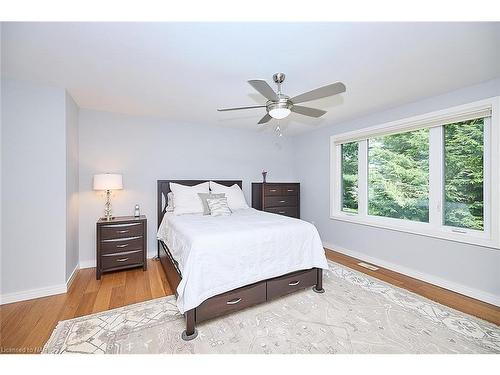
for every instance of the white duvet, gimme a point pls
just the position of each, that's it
(218, 254)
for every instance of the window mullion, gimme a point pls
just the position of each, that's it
(436, 176)
(363, 178)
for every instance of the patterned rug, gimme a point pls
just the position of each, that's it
(357, 314)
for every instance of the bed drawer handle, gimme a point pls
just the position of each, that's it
(122, 231)
(281, 212)
(293, 283)
(233, 301)
(122, 260)
(124, 245)
(282, 201)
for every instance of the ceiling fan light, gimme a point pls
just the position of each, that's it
(279, 113)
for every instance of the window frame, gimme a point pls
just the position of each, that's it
(434, 121)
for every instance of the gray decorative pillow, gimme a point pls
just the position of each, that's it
(218, 207)
(204, 197)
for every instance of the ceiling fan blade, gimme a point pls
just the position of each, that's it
(237, 108)
(328, 90)
(265, 119)
(307, 111)
(264, 88)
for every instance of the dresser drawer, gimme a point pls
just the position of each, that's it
(271, 190)
(125, 258)
(121, 244)
(111, 231)
(290, 190)
(281, 201)
(231, 301)
(287, 211)
(291, 282)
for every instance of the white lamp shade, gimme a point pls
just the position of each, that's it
(108, 181)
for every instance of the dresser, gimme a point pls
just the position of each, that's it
(121, 244)
(278, 198)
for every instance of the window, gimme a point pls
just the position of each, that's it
(398, 176)
(350, 177)
(464, 174)
(435, 174)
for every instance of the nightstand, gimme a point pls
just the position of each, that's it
(121, 244)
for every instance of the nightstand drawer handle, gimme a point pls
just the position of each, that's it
(122, 231)
(124, 245)
(120, 225)
(293, 283)
(122, 260)
(233, 302)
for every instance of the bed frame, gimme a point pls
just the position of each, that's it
(236, 299)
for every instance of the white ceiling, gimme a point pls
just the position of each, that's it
(184, 71)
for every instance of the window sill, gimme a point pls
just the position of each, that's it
(422, 229)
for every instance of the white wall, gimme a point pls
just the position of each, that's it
(72, 185)
(147, 149)
(33, 188)
(466, 268)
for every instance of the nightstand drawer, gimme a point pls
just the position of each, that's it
(121, 244)
(281, 201)
(111, 231)
(126, 258)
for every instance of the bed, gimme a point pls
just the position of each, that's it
(218, 265)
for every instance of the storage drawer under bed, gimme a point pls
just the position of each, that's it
(292, 282)
(231, 301)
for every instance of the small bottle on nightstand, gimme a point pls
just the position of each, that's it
(137, 212)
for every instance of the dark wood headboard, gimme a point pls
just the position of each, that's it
(164, 189)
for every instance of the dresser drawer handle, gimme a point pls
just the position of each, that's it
(293, 283)
(233, 302)
(282, 201)
(122, 260)
(122, 231)
(124, 245)
(290, 190)
(272, 190)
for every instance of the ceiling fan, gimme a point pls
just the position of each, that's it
(279, 105)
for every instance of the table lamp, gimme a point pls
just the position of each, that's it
(108, 182)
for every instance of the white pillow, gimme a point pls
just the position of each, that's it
(235, 198)
(170, 202)
(186, 199)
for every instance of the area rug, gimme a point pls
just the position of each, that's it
(357, 314)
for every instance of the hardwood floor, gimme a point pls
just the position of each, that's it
(26, 326)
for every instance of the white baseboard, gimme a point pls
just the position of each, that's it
(32, 293)
(72, 277)
(450, 285)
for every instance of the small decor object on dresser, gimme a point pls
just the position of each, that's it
(282, 198)
(137, 211)
(264, 174)
(121, 244)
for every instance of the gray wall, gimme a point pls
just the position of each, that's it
(147, 149)
(471, 269)
(33, 187)
(72, 185)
